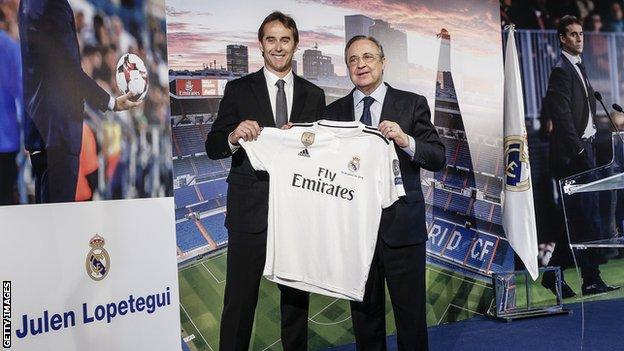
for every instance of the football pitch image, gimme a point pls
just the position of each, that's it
(451, 297)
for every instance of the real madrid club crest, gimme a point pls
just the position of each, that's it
(517, 175)
(98, 261)
(354, 164)
(307, 139)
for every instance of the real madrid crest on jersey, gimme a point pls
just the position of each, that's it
(307, 139)
(354, 164)
(98, 261)
(517, 175)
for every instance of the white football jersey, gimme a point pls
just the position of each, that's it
(328, 184)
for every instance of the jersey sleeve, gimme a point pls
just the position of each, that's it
(391, 181)
(262, 151)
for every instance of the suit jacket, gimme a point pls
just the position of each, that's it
(568, 106)
(404, 222)
(247, 98)
(55, 86)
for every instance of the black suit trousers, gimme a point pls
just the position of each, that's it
(583, 220)
(58, 176)
(403, 269)
(8, 177)
(245, 263)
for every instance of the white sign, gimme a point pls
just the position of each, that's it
(90, 276)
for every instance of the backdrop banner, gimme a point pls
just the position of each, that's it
(94, 275)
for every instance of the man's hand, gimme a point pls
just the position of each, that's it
(247, 130)
(123, 102)
(393, 131)
(287, 126)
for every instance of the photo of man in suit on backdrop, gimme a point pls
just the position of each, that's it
(571, 104)
(55, 91)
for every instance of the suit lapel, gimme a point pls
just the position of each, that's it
(389, 110)
(261, 93)
(575, 73)
(299, 98)
(350, 108)
(590, 93)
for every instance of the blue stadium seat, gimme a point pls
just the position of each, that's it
(482, 209)
(450, 145)
(185, 196)
(182, 166)
(180, 213)
(459, 203)
(189, 138)
(497, 215)
(213, 189)
(455, 179)
(464, 159)
(214, 226)
(206, 166)
(188, 236)
(488, 159)
(440, 198)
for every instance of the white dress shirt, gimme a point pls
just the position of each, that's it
(590, 129)
(379, 95)
(271, 79)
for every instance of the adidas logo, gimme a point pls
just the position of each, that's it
(304, 152)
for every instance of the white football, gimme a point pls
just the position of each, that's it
(132, 77)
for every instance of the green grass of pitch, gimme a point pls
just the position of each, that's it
(451, 297)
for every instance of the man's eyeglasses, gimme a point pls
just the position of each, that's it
(367, 58)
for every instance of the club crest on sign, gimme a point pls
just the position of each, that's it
(517, 173)
(354, 164)
(98, 261)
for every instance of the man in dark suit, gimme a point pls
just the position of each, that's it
(55, 90)
(571, 105)
(271, 97)
(399, 258)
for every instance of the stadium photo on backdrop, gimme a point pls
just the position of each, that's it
(218, 79)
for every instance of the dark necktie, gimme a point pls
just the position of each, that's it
(366, 113)
(281, 110)
(590, 96)
(584, 74)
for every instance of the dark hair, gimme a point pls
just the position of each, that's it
(564, 22)
(286, 20)
(363, 37)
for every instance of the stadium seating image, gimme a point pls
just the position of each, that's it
(188, 140)
(180, 213)
(182, 166)
(203, 190)
(214, 227)
(208, 205)
(188, 236)
(213, 189)
(185, 196)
